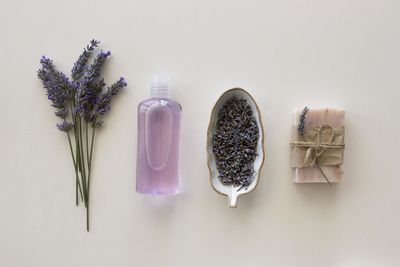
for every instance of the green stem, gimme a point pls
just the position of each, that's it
(90, 158)
(82, 161)
(91, 148)
(77, 166)
(78, 187)
(78, 162)
(78, 159)
(84, 174)
(76, 134)
(89, 175)
(87, 146)
(87, 218)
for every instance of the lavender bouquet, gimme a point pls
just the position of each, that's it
(81, 103)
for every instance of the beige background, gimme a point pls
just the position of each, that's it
(288, 54)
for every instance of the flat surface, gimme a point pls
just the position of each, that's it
(287, 54)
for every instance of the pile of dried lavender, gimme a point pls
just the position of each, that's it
(234, 143)
(81, 103)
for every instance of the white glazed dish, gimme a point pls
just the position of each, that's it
(229, 190)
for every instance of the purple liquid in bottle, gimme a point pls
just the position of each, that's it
(158, 141)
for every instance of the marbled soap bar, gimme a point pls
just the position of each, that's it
(318, 122)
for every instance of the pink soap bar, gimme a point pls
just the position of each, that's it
(319, 117)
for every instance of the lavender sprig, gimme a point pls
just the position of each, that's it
(65, 126)
(302, 121)
(95, 68)
(103, 104)
(90, 87)
(79, 67)
(93, 94)
(83, 95)
(58, 87)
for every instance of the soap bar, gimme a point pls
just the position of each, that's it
(317, 145)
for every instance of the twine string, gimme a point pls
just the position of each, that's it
(317, 149)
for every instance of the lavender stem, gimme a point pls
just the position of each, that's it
(81, 166)
(89, 175)
(76, 172)
(83, 172)
(87, 146)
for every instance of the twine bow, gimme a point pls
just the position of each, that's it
(321, 147)
(316, 151)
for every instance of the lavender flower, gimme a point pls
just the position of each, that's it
(302, 120)
(104, 101)
(80, 65)
(94, 69)
(86, 89)
(55, 80)
(65, 126)
(57, 85)
(89, 87)
(86, 96)
(61, 113)
(92, 97)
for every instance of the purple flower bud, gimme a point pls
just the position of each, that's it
(80, 65)
(84, 92)
(61, 113)
(65, 126)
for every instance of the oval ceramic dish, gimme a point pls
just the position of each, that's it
(231, 191)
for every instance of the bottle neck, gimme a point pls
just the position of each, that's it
(160, 93)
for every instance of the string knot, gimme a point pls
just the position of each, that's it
(323, 145)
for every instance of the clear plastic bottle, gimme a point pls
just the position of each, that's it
(158, 141)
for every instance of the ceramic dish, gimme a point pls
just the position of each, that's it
(231, 191)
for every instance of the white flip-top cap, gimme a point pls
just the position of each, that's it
(160, 86)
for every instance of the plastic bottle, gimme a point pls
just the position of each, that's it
(158, 141)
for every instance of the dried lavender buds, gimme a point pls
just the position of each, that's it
(234, 143)
(302, 121)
